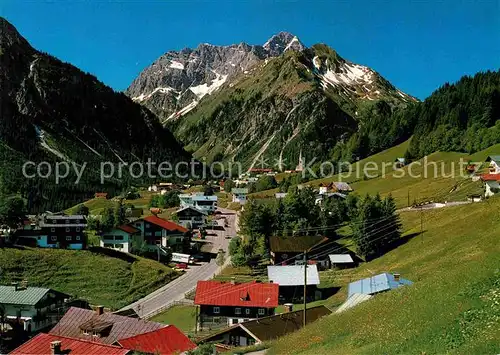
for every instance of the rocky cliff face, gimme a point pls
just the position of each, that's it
(52, 111)
(175, 83)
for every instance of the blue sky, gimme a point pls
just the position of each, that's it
(416, 45)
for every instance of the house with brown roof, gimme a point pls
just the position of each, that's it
(266, 328)
(101, 195)
(123, 332)
(289, 250)
(228, 303)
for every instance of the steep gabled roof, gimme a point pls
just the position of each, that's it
(28, 296)
(249, 294)
(163, 223)
(273, 327)
(495, 158)
(40, 345)
(168, 340)
(122, 327)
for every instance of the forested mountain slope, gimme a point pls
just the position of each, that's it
(51, 111)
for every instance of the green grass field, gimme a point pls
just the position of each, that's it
(182, 316)
(453, 306)
(95, 277)
(96, 206)
(433, 183)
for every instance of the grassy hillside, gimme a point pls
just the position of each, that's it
(438, 187)
(109, 281)
(386, 156)
(453, 306)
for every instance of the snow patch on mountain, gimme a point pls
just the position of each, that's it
(163, 90)
(207, 89)
(317, 62)
(349, 74)
(291, 43)
(176, 65)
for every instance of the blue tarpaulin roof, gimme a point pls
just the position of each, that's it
(376, 284)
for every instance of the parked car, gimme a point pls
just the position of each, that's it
(181, 266)
(198, 257)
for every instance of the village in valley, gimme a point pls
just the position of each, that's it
(241, 280)
(181, 178)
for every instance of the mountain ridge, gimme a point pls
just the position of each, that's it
(52, 111)
(174, 83)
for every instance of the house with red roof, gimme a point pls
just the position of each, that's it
(168, 340)
(161, 233)
(232, 303)
(121, 238)
(44, 344)
(83, 331)
(157, 233)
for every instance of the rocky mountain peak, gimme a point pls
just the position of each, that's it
(9, 36)
(282, 42)
(175, 83)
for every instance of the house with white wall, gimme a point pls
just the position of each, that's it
(32, 308)
(191, 217)
(121, 238)
(494, 164)
(240, 195)
(199, 201)
(491, 184)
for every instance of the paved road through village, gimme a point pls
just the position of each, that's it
(175, 290)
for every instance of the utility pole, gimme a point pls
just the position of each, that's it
(305, 285)
(195, 320)
(421, 225)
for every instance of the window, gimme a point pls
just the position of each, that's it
(67, 221)
(77, 237)
(67, 229)
(148, 234)
(52, 229)
(118, 237)
(53, 238)
(216, 310)
(147, 225)
(85, 332)
(247, 311)
(262, 311)
(68, 238)
(107, 245)
(237, 311)
(77, 229)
